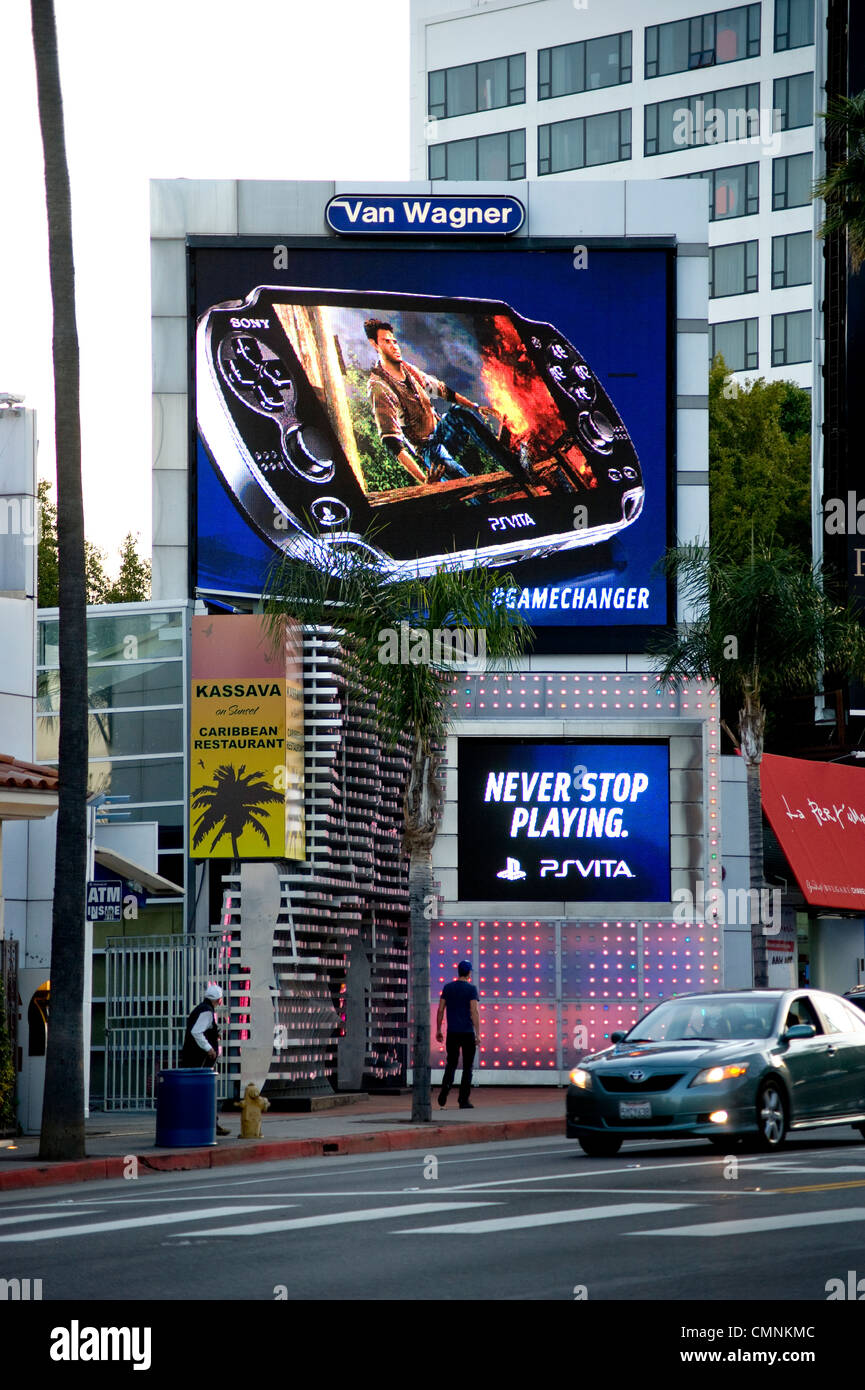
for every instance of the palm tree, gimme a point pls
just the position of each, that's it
(764, 627)
(369, 611)
(63, 1106)
(842, 187)
(228, 806)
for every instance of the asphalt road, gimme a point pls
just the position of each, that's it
(535, 1220)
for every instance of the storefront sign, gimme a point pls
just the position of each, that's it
(817, 810)
(105, 900)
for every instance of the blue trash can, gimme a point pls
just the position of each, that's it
(186, 1108)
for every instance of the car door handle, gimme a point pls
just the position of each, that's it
(831, 1049)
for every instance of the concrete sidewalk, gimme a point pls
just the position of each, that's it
(119, 1145)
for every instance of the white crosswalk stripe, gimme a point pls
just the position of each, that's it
(165, 1219)
(33, 1216)
(544, 1218)
(338, 1218)
(777, 1165)
(793, 1221)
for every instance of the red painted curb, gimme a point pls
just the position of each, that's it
(177, 1162)
(82, 1170)
(554, 1128)
(265, 1153)
(355, 1143)
(406, 1139)
(184, 1160)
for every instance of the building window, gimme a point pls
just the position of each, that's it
(793, 101)
(583, 142)
(501, 156)
(704, 41)
(791, 338)
(708, 119)
(733, 192)
(791, 181)
(737, 344)
(794, 24)
(584, 67)
(137, 713)
(733, 269)
(791, 260)
(477, 87)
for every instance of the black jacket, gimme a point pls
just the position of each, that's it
(191, 1054)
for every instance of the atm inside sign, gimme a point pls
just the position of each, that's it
(105, 900)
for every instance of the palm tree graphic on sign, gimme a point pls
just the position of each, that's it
(229, 804)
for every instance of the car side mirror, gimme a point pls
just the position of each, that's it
(799, 1030)
(618, 1037)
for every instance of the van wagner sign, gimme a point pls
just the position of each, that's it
(350, 213)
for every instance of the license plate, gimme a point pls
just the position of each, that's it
(635, 1110)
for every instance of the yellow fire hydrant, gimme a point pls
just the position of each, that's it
(252, 1105)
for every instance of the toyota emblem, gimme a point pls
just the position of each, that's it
(636, 1075)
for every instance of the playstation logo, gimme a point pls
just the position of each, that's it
(513, 872)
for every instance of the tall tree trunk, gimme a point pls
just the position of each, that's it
(63, 1106)
(752, 720)
(422, 808)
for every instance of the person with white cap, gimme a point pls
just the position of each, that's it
(201, 1043)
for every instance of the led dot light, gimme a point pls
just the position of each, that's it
(552, 991)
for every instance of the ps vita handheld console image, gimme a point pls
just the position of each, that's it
(440, 427)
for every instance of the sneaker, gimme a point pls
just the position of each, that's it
(220, 1129)
(443, 1098)
(466, 1105)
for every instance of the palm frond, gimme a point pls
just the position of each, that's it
(363, 604)
(768, 625)
(842, 187)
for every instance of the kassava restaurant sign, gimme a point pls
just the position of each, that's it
(246, 749)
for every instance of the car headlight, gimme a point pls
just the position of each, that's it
(709, 1075)
(581, 1078)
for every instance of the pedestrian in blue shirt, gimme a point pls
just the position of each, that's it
(460, 998)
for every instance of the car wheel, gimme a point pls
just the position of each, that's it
(600, 1145)
(771, 1116)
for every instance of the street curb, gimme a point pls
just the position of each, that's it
(385, 1141)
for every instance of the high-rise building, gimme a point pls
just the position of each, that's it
(675, 89)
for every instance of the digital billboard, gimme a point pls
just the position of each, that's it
(577, 821)
(436, 405)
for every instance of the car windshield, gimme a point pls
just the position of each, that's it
(709, 1020)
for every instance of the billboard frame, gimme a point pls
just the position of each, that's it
(559, 640)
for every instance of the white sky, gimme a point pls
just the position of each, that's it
(288, 89)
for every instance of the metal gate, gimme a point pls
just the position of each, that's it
(151, 985)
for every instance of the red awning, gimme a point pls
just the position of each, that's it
(817, 811)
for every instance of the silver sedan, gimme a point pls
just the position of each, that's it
(744, 1064)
